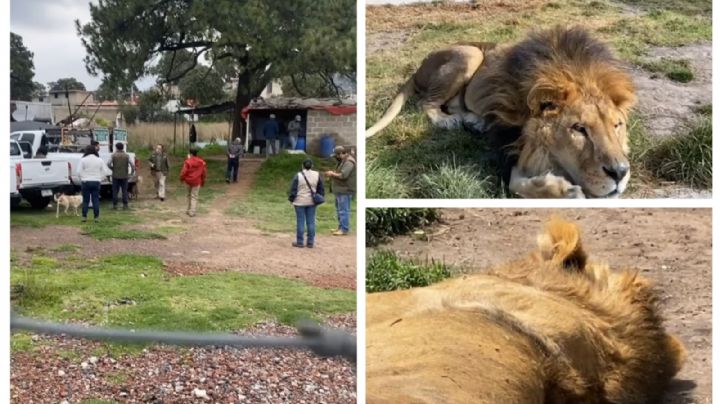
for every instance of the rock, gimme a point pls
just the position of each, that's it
(93, 359)
(199, 393)
(61, 373)
(84, 366)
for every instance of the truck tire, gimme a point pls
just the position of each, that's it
(15, 202)
(39, 202)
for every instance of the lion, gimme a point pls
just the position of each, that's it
(555, 107)
(552, 327)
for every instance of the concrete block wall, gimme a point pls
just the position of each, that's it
(342, 127)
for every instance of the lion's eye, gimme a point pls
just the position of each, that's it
(579, 128)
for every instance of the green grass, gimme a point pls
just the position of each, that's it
(387, 271)
(97, 291)
(267, 202)
(115, 224)
(675, 69)
(383, 223)
(412, 159)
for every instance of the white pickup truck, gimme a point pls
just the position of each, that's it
(69, 143)
(36, 180)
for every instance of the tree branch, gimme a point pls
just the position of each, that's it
(297, 88)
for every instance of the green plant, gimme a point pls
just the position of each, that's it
(449, 181)
(675, 69)
(382, 223)
(386, 271)
(685, 157)
(385, 182)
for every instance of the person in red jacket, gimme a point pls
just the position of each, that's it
(193, 174)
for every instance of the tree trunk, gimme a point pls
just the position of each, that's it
(243, 97)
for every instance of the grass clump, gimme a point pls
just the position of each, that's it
(383, 223)
(455, 182)
(685, 157)
(674, 69)
(385, 182)
(386, 271)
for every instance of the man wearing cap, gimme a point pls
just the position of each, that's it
(233, 155)
(271, 132)
(343, 186)
(294, 128)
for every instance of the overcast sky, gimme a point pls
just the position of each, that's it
(48, 30)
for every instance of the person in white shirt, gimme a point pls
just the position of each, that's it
(92, 170)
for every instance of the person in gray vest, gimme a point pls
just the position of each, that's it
(234, 152)
(120, 165)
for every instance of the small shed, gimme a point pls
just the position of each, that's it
(319, 117)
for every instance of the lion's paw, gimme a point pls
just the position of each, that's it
(575, 192)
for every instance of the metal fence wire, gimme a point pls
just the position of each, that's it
(323, 341)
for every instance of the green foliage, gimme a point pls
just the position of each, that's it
(685, 157)
(449, 181)
(135, 292)
(22, 70)
(130, 113)
(203, 85)
(150, 107)
(386, 271)
(67, 83)
(678, 70)
(109, 90)
(383, 223)
(385, 182)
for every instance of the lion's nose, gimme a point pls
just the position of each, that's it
(617, 171)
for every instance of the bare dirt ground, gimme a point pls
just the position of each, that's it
(214, 241)
(670, 246)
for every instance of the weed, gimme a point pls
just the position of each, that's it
(386, 271)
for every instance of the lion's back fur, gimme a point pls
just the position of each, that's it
(548, 328)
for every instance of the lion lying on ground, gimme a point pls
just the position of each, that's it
(550, 328)
(554, 105)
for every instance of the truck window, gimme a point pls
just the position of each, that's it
(26, 149)
(27, 137)
(15, 149)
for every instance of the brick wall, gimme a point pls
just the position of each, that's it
(342, 127)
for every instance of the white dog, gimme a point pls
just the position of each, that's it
(68, 201)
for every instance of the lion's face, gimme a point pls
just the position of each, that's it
(583, 129)
(589, 141)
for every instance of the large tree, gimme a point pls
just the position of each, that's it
(67, 83)
(111, 91)
(253, 41)
(202, 85)
(22, 70)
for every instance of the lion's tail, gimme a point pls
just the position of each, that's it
(407, 91)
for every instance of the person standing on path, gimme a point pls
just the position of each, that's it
(294, 128)
(159, 167)
(304, 185)
(193, 174)
(235, 150)
(271, 132)
(120, 165)
(92, 171)
(343, 186)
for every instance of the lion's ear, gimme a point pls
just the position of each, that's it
(545, 99)
(561, 244)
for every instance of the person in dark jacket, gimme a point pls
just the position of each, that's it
(305, 183)
(120, 165)
(193, 174)
(234, 152)
(271, 132)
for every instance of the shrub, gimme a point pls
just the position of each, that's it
(455, 182)
(385, 182)
(386, 271)
(382, 223)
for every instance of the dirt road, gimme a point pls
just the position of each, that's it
(670, 246)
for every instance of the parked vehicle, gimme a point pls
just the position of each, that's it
(36, 180)
(69, 143)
